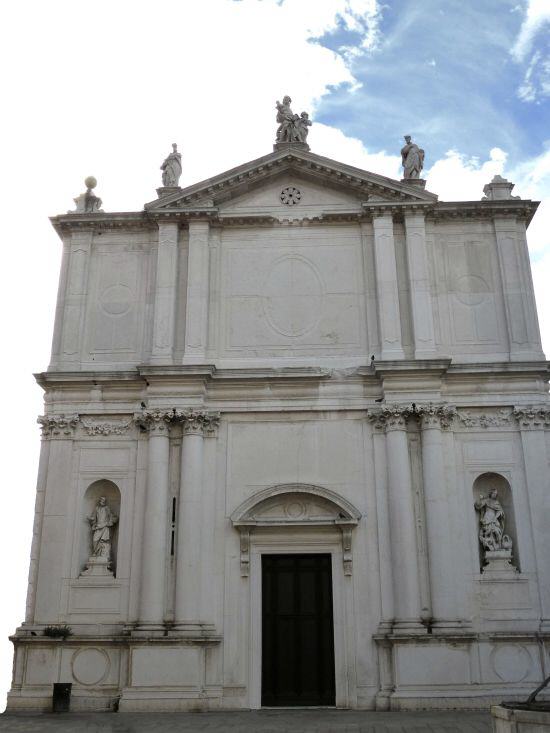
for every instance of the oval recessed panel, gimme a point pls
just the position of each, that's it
(471, 289)
(116, 300)
(292, 296)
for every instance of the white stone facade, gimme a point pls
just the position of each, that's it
(211, 377)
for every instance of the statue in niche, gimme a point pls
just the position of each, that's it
(292, 128)
(412, 158)
(171, 168)
(102, 520)
(491, 523)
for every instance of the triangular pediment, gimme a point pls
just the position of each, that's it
(252, 185)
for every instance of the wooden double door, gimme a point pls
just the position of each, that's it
(297, 631)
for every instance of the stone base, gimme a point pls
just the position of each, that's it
(499, 565)
(508, 720)
(290, 146)
(97, 567)
(167, 190)
(419, 182)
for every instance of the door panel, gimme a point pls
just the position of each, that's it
(297, 630)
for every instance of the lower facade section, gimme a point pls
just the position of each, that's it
(186, 674)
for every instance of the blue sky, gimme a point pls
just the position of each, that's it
(446, 72)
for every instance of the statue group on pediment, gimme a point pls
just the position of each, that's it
(292, 128)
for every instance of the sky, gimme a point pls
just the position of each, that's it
(103, 87)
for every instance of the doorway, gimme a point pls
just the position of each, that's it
(297, 631)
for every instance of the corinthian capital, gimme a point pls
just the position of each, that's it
(155, 421)
(533, 417)
(58, 426)
(199, 422)
(390, 417)
(435, 415)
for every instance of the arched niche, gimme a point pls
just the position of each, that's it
(93, 493)
(483, 485)
(295, 505)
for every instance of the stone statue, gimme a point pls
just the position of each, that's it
(412, 158)
(101, 520)
(171, 168)
(491, 523)
(292, 128)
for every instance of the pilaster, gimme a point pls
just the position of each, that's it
(44, 601)
(165, 294)
(386, 282)
(196, 320)
(75, 296)
(419, 280)
(514, 290)
(532, 422)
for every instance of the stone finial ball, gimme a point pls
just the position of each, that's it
(90, 182)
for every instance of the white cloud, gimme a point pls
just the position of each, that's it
(537, 14)
(536, 79)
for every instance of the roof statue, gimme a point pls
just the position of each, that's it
(88, 202)
(292, 128)
(412, 158)
(171, 168)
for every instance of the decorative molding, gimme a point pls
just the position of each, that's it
(58, 426)
(298, 505)
(533, 417)
(194, 422)
(491, 419)
(106, 427)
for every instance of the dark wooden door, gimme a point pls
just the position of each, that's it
(297, 630)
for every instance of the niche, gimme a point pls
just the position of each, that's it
(483, 485)
(92, 495)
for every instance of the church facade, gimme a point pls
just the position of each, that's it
(295, 448)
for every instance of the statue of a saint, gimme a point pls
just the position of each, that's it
(285, 118)
(171, 168)
(491, 523)
(301, 125)
(292, 128)
(412, 158)
(101, 520)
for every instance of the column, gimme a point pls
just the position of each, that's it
(164, 323)
(196, 319)
(75, 296)
(532, 422)
(155, 534)
(419, 279)
(386, 286)
(193, 569)
(402, 523)
(513, 289)
(444, 585)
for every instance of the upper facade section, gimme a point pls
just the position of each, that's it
(295, 259)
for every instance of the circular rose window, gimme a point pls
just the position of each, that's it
(290, 196)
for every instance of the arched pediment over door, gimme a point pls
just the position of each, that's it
(295, 505)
